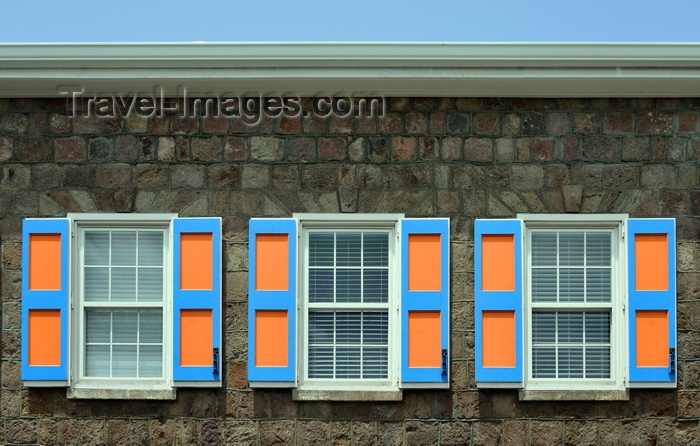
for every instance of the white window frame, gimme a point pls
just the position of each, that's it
(81, 386)
(339, 222)
(617, 223)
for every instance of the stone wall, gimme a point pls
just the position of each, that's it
(458, 158)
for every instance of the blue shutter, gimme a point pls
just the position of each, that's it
(652, 302)
(204, 300)
(45, 306)
(496, 304)
(425, 316)
(272, 247)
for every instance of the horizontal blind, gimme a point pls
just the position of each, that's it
(348, 269)
(571, 266)
(123, 266)
(349, 345)
(122, 270)
(124, 344)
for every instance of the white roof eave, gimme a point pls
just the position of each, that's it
(372, 68)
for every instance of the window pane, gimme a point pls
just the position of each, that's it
(544, 362)
(321, 328)
(598, 249)
(376, 249)
(96, 284)
(123, 284)
(347, 362)
(374, 363)
(150, 361)
(97, 248)
(320, 362)
(98, 326)
(124, 361)
(151, 326)
(570, 362)
(544, 330)
(570, 327)
(321, 251)
(150, 248)
(348, 248)
(571, 287)
(97, 361)
(125, 325)
(375, 285)
(571, 248)
(124, 248)
(375, 328)
(597, 362)
(347, 285)
(348, 328)
(597, 327)
(150, 285)
(598, 285)
(544, 248)
(320, 285)
(544, 285)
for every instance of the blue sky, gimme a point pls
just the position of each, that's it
(355, 20)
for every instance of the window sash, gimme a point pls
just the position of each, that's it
(131, 352)
(569, 356)
(351, 354)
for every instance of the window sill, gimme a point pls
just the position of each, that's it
(347, 395)
(122, 394)
(573, 395)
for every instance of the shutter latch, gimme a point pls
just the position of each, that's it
(444, 362)
(672, 359)
(216, 361)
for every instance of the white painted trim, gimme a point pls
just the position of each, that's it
(45, 383)
(314, 388)
(347, 395)
(369, 68)
(389, 220)
(122, 394)
(271, 384)
(618, 340)
(119, 388)
(432, 386)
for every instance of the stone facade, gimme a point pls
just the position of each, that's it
(461, 158)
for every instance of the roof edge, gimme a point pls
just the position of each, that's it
(386, 68)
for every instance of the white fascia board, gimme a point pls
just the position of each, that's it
(373, 68)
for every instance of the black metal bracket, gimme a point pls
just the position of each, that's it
(216, 361)
(444, 362)
(672, 359)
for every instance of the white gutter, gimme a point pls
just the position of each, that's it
(376, 68)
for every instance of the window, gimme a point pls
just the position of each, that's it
(564, 304)
(347, 307)
(574, 305)
(122, 295)
(144, 298)
(364, 320)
